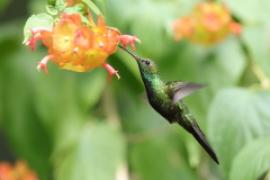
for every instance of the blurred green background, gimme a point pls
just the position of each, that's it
(71, 126)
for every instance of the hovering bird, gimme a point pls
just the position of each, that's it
(166, 99)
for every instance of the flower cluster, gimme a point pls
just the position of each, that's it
(208, 23)
(77, 45)
(19, 171)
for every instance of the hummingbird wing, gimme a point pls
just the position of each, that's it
(179, 90)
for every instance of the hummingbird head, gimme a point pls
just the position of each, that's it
(146, 66)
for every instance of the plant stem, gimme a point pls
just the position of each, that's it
(264, 80)
(51, 2)
(109, 106)
(255, 69)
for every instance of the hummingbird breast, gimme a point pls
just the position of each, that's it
(159, 98)
(163, 105)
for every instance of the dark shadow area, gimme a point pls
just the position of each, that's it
(15, 9)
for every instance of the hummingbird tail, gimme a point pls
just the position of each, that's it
(195, 130)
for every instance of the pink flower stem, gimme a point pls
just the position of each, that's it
(111, 70)
(42, 65)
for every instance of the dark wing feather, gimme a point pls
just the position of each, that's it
(179, 89)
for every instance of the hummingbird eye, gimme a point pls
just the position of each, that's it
(147, 63)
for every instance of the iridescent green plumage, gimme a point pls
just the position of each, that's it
(166, 99)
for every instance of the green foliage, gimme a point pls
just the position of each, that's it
(73, 126)
(253, 160)
(98, 154)
(92, 6)
(251, 12)
(3, 4)
(237, 122)
(42, 20)
(28, 137)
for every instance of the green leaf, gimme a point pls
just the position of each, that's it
(36, 7)
(256, 38)
(77, 9)
(100, 4)
(60, 113)
(42, 20)
(237, 116)
(27, 136)
(11, 33)
(252, 161)
(92, 6)
(54, 7)
(252, 12)
(154, 26)
(1, 102)
(98, 154)
(159, 158)
(79, 93)
(3, 4)
(91, 87)
(48, 101)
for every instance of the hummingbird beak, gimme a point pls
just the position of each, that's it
(130, 53)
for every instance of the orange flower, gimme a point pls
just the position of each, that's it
(183, 27)
(19, 171)
(209, 23)
(77, 46)
(5, 171)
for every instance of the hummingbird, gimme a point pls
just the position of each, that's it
(167, 99)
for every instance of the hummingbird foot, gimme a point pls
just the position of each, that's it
(112, 72)
(126, 40)
(42, 65)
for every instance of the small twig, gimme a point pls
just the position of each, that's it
(109, 106)
(255, 68)
(264, 80)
